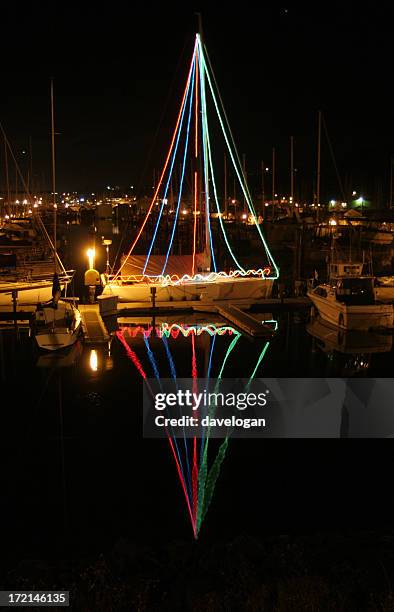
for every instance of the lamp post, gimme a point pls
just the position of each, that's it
(107, 244)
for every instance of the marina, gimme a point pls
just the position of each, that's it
(197, 308)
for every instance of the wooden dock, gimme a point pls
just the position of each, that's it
(94, 329)
(244, 321)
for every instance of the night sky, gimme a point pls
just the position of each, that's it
(119, 72)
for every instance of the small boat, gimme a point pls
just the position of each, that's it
(30, 291)
(56, 325)
(384, 288)
(348, 299)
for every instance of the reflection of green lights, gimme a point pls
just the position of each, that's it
(258, 362)
(276, 324)
(207, 481)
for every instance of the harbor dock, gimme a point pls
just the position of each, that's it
(239, 314)
(93, 326)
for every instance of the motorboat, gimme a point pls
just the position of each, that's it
(348, 299)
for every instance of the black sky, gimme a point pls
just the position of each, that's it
(119, 71)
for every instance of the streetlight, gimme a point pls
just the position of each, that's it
(361, 201)
(107, 244)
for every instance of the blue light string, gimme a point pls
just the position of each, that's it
(173, 373)
(208, 375)
(157, 376)
(171, 165)
(241, 182)
(182, 176)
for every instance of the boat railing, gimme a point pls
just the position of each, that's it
(27, 276)
(118, 279)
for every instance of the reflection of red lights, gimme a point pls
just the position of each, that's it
(131, 354)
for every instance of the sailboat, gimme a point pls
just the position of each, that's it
(173, 275)
(24, 280)
(57, 323)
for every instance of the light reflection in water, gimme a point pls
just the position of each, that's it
(195, 345)
(93, 360)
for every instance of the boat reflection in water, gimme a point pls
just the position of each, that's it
(57, 359)
(349, 351)
(203, 347)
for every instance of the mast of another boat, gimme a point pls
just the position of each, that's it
(318, 167)
(55, 278)
(53, 180)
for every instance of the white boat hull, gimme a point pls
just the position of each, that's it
(353, 317)
(221, 289)
(385, 294)
(27, 294)
(51, 332)
(54, 341)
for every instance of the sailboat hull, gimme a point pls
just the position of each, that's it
(27, 293)
(54, 341)
(221, 289)
(57, 329)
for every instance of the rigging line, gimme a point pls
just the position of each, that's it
(170, 173)
(165, 107)
(27, 191)
(225, 116)
(173, 374)
(163, 171)
(217, 202)
(333, 159)
(241, 182)
(180, 185)
(205, 158)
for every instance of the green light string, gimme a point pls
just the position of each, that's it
(203, 473)
(205, 151)
(241, 182)
(206, 134)
(209, 482)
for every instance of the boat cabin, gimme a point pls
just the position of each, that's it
(355, 291)
(346, 269)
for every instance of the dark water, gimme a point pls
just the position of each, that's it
(76, 475)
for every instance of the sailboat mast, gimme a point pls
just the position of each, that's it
(53, 176)
(273, 183)
(292, 171)
(318, 165)
(225, 186)
(201, 74)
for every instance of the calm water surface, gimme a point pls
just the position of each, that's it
(76, 474)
